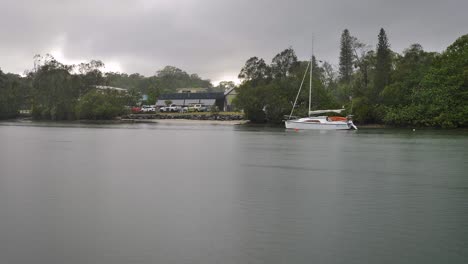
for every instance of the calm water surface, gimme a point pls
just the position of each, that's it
(158, 193)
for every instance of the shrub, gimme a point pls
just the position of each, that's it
(101, 105)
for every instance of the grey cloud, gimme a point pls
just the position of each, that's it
(214, 37)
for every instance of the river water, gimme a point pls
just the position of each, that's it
(156, 193)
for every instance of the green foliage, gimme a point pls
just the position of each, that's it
(265, 98)
(224, 86)
(11, 88)
(409, 71)
(170, 78)
(255, 69)
(362, 110)
(101, 105)
(346, 57)
(284, 63)
(252, 100)
(416, 88)
(90, 75)
(153, 94)
(214, 110)
(362, 82)
(441, 97)
(167, 80)
(382, 66)
(54, 91)
(277, 103)
(134, 81)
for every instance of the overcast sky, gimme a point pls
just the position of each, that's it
(213, 37)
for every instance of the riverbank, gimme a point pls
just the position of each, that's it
(229, 118)
(205, 118)
(199, 118)
(222, 116)
(186, 121)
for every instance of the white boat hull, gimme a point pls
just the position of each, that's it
(304, 124)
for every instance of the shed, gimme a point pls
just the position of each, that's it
(184, 99)
(229, 96)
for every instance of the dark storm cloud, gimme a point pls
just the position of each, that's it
(213, 37)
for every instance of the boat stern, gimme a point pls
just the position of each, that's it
(350, 123)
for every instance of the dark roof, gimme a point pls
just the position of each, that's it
(182, 96)
(229, 91)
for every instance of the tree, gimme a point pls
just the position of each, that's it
(346, 57)
(171, 71)
(329, 75)
(362, 81)
(440, 97)
(224, 86)
(383, 65)
(361, 57)
(416, 88)
(11, 97)
(170, 78)
(283, 63)
(443, 92)
(101, 105)
(252, 99)
(254, 69)
(321, 97)
(93, 65)
(54, 91)
(153, 94)
(270, 99)
(90, 75)
(409, 71)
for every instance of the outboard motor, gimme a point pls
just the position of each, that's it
(350, 122)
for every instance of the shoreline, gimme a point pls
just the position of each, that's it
(186, 121)
(227, 122)
(134, 121)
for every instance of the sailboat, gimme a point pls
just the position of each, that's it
(318, 122)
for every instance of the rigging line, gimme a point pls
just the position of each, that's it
(297, 96)
(311, 67)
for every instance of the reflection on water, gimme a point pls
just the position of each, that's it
(155, 193)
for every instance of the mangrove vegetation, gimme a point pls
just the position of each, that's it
(380, 86)
(375, 85)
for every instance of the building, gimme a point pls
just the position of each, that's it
(192, 90)
(184, 99)
(229, 96)
(222, 100)
(110, 88)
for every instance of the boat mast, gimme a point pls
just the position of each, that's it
(310, 81)
(300, 87)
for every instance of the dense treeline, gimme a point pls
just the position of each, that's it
(166, 80)
(55, 91)
(59, 92)
(415, 88)
(13, 94)
(267, 92)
